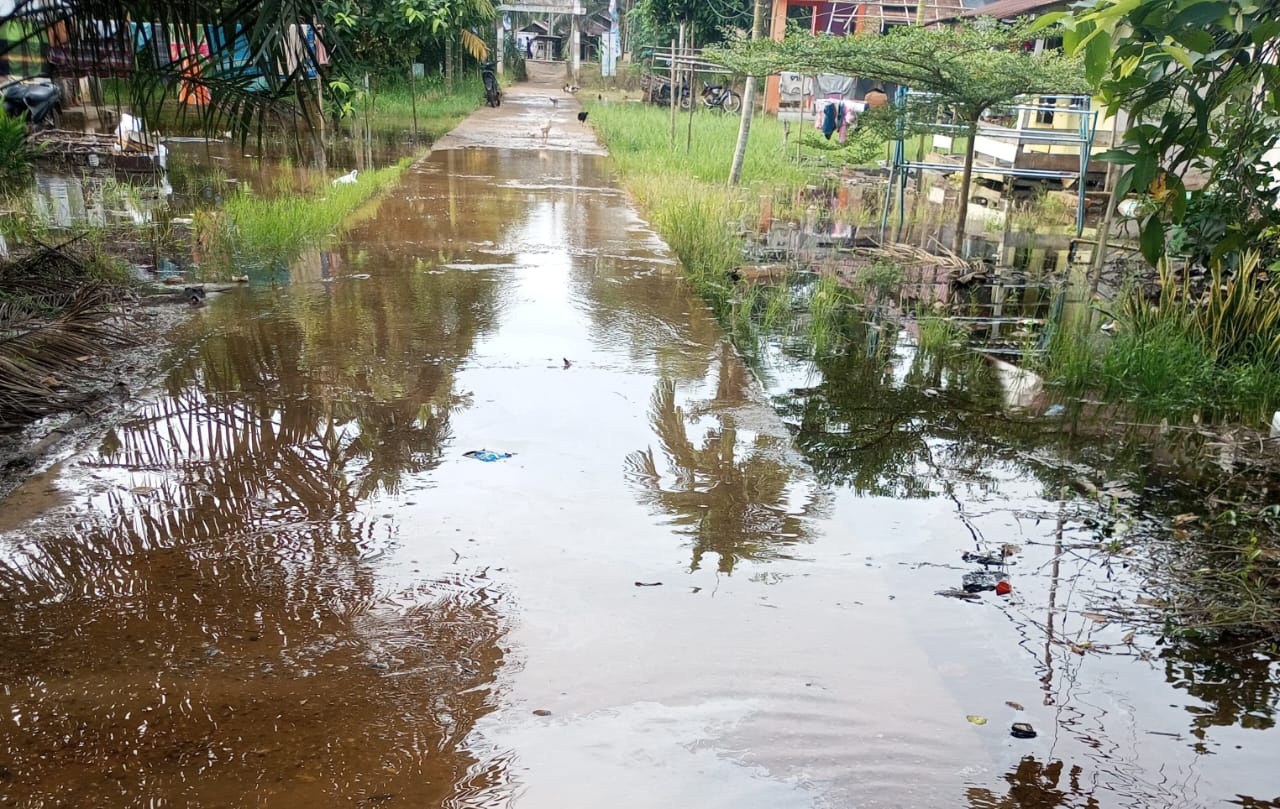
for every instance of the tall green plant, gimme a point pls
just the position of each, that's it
(15, 155)
(1200, 80)
(1235, 318)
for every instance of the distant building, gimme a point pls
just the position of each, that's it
(843, 18)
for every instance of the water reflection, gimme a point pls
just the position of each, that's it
(1034, 784)
(882, 418)
(97, 201)
(1234, 687)
(735, 490)
(210, 627)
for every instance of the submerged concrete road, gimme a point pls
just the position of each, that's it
(285, 583)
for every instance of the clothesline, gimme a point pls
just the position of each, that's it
(832, 115)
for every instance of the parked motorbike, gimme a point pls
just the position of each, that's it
(721, 97)
(489, 74)
(37, 102)
(664, 96)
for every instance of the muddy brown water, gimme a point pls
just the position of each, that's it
(281, 583)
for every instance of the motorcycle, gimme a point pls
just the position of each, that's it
(39, 103)
(664, 96)
(489, 74)
(721, 97)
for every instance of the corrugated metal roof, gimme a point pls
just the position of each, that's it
(1005, 9)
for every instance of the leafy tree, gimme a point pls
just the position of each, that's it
(967, 69)
(385, 36)
(709, 19)
(1201, 82)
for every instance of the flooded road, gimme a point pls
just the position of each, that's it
(283, 583)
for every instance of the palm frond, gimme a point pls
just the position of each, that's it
(475, 46)
(244, 55)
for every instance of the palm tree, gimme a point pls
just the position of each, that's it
(242, 56)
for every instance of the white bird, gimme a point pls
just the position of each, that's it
(546, 130)
(1275, 425)
(347, 179)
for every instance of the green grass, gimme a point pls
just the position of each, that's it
(639, 139)
(683, 190)
(269, 231)
(1166, 368)
(1073, 356)
(16, 155)
(391, 108)
(941, 336)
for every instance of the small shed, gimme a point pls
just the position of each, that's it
(594, 31)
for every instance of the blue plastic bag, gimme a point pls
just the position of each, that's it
(488, 456)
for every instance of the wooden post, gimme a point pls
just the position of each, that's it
(413, 101)
(688, 145)
(672, 93)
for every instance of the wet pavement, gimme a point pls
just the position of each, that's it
(282, 583)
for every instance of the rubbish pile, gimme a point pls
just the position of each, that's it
(130, 149)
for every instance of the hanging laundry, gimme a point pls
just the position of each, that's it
(829, 84)
(832, 115)
(828, 120)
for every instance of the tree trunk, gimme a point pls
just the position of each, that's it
(966, 179)
(748, 102)
(1100, 245)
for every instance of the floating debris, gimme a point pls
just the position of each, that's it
(488, 456)
(978, 581)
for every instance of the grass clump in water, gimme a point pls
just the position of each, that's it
(255, 230)
(941, 336)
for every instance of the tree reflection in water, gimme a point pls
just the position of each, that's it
(1036, 785)
(733, 489)
(210, 630)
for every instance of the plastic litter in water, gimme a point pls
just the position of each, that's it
(978, 581)
(1055, 410)
(1003, 588)
(488, 456)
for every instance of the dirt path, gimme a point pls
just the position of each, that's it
(534, 115)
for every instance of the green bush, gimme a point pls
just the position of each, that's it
(16, 154)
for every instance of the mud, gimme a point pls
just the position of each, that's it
(280, 582)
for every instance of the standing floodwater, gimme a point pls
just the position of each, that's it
(283, 582)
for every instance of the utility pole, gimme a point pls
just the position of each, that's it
(748, 101)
